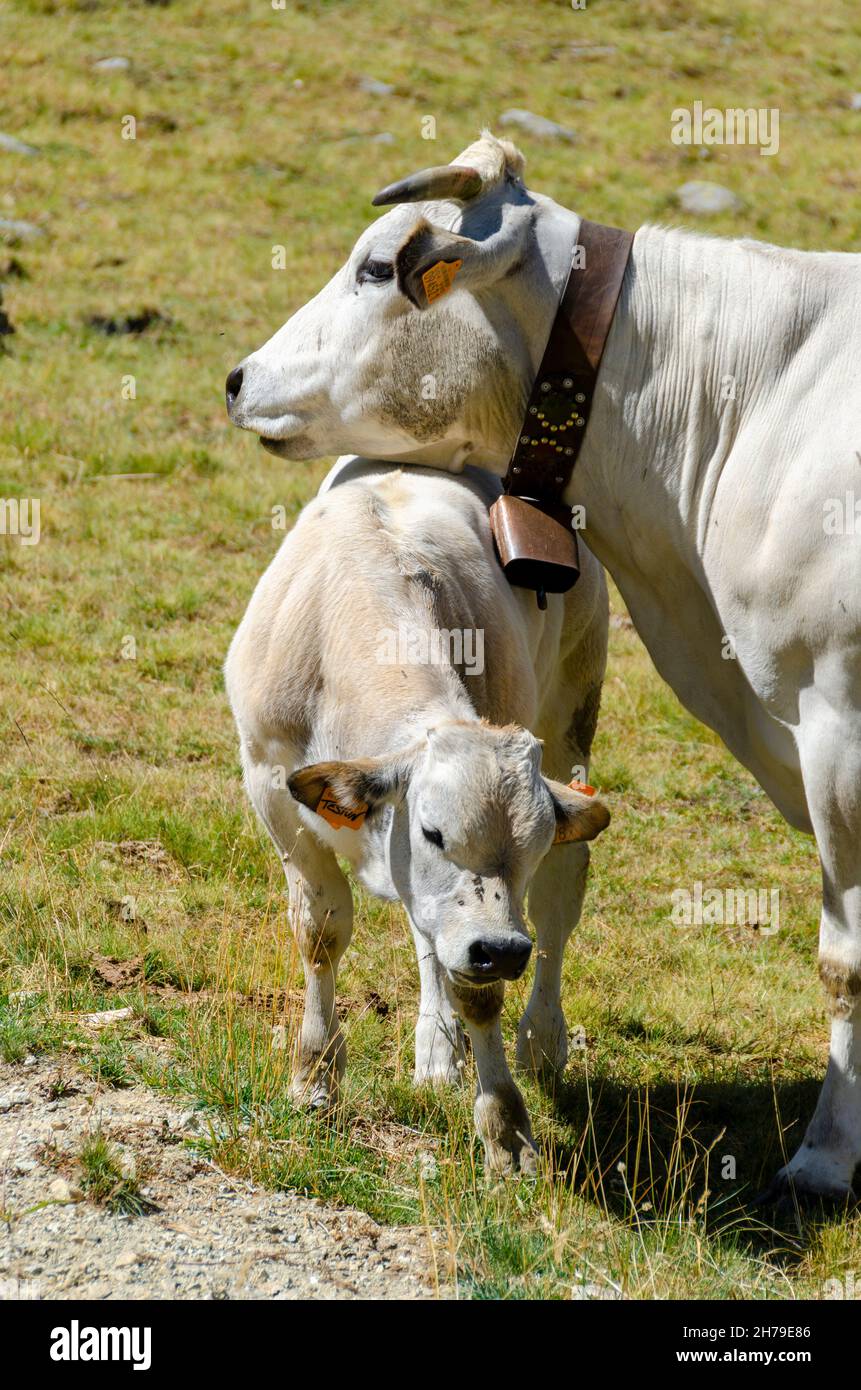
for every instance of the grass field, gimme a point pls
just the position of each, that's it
(124, 832)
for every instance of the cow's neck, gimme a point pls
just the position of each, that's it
(676, 367)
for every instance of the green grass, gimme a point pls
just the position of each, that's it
(103, 1180)
(124, 831)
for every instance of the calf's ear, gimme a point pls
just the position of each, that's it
(578, 816)
(345, 792)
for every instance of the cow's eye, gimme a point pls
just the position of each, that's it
(376, 271)
(434, 836)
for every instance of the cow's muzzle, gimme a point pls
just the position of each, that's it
(233, 386)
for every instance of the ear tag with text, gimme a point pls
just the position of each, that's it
(567, 832)
(338, 816)
(439, 279)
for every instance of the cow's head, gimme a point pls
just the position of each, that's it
(424, 344)
(473, 818)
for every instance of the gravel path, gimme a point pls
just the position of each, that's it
(210, 1236)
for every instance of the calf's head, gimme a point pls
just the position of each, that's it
(472, 818)
(423, 345)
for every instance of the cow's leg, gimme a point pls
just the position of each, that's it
(321, 917)
(555, 902)
(831, 766)
(500, 1112)
(440, 1053)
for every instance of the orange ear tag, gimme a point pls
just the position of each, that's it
(338, 816)
(567, 832)
(439, 279)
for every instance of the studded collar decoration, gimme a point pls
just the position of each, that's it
(558, 409)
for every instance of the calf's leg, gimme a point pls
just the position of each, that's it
(440, 1052)
(500, 1112)
(321, 917)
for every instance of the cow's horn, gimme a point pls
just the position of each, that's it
(443, 181)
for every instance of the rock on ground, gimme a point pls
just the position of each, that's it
(539, 126)
(705, 198)
(13, 230)
(13, 145)
(210, 1235)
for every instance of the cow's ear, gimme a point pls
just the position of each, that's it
(433, 261)
(429, 262)
(344, 793)
(578, 815)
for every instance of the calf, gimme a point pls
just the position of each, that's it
(364, 735)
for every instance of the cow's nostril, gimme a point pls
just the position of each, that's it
(234, 386)
(500, 959)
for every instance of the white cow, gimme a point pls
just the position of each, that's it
(719, 475)
(364, 734)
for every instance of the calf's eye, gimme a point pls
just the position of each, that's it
(434, 836)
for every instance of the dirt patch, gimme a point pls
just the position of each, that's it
(206, 1235)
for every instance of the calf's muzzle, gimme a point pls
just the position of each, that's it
(503, 959)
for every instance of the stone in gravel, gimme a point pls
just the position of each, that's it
(111, 65)
(127, 1161)
(11, 1099)
(128, 1257)
(101, 1289)
(855, 101)
(13, 145)
(25, 1165)
(61, 1191)
(106, 1018)
(12, 230)
(704, 199)
(193, 1122)
(375, 88)
(539, 126)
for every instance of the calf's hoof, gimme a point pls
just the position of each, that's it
(508, 1161)
(504, 1129)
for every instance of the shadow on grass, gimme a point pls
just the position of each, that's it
(705, 1151)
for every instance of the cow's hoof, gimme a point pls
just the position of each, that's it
(316, 1094)
(790, 1192)
(542, 1051)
